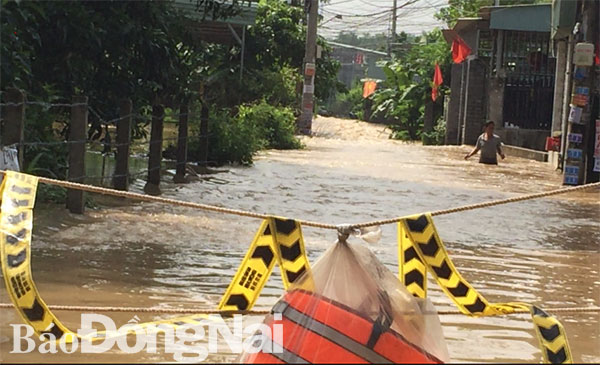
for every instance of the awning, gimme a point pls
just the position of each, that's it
(225, 31)
(528, 18)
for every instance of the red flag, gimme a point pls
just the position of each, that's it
(369, 88)
(460, 50)
(437, 81)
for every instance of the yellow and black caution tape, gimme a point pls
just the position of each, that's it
(254, 271)
(16, 223)
(278, 240)
(412, 272)
(428, 246)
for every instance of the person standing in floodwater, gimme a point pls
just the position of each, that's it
(489, 144)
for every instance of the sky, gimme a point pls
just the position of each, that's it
(374, 16)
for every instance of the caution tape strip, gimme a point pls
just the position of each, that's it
(412, 272)
(430, 249)
(18, 193)
(16, 223)
(278, 240)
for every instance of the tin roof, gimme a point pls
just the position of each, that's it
(530, 18)
(218, 30)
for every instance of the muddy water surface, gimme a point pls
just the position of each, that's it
(542, 251)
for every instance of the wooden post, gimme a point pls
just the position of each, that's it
(77, 139)
(155, 156)
(428, 122)
(121, 178)
(182, 144)
(14, 121)
(204, 115)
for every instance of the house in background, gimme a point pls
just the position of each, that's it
(508, 78)
(357, 63)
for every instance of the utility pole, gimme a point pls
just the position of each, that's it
(394, 15)
(309, 70)
(392, 38)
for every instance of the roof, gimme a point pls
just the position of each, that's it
(530, 18)
(365, 50)
(217, 31)
(463, 25)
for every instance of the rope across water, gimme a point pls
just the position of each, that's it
(90, 309)
(181, 203)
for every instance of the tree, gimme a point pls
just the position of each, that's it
(106, 50)
(272, 62)
(402, 97)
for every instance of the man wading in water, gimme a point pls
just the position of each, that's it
(489, 143)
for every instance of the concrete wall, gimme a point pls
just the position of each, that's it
(528, 138)
(474, 115)
(453, 105)
(496, 101)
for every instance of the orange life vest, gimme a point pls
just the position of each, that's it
(319, 330)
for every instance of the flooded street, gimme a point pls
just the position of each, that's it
(545, 251)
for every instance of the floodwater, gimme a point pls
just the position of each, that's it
(542, 251)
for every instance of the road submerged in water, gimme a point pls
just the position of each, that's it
(542, 251)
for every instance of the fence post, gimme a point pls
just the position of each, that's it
(77, 141)
(182, 144)
(121, 178)
(14, 120)
(204, 115)
(152, 186)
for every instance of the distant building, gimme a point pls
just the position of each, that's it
(357, 63)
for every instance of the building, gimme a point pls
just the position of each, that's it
(357, 63)
(508, 78)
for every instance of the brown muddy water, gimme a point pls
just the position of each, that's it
(543, 251)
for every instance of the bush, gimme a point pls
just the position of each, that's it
(48, 158)
(230, 140)
(236, 138)
(437, 136)
(348, 104)
(277, 87)
(275, 125)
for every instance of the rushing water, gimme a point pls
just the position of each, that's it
(541, 251)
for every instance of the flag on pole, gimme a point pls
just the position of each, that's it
(460, 50)
(369, 88)
(437, 81)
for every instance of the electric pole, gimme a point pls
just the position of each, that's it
(392, 38)
(309, 70)
(394, 16)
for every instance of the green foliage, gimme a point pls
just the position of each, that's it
(49, 160)
(437, 135)
(231, 139)
(144, 50)
(236, 138)
(277, 87)
(273, 60)
(401, 100)
(275, 126)
(349, 104)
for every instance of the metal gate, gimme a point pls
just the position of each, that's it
(528, 103)
(529, 83)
